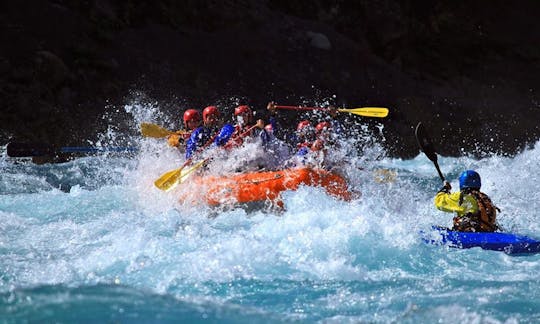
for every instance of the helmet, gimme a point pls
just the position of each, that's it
(242, 110)
(322, 126)
(210, 110)
(469, 179)
(303, 124)
(191, 114)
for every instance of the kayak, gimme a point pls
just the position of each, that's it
(506, 242)
(264, 186)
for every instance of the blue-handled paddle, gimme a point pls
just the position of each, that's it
(16, 149)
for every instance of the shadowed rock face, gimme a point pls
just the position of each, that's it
(469, 71)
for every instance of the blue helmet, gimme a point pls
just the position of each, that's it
(469, 179)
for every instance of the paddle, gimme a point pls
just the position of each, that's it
(170, 179)
(156, 131)
(378, 112)
(15, 149)
(427, 147)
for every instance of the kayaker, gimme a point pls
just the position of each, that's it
(204, 133)
(192, 120)
(474, 210)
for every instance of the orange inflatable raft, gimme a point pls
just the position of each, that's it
(266, 186)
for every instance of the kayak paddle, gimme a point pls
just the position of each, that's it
(156, 131)
(15, 149)
(379, 112)
(426, 146)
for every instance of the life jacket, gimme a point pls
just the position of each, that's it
(484, 220)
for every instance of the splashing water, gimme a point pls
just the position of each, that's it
(92, 239)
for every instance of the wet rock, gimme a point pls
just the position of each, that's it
(50, 69)
(468, 71)
(319, 40)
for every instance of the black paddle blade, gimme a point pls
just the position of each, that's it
(15, 149)
(424, 142)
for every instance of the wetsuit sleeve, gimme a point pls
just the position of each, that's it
(265, 138)
(449, 202)
(224, 135)
(303, 151)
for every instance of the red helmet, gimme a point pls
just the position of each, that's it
(191, 114)
(242, 110)
(210, 110)
(322, 126)
(303, 124)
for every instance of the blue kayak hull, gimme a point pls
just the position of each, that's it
(505, 242)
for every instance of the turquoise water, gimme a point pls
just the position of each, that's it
(92, 241)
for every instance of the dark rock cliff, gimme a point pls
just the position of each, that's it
(468, 70)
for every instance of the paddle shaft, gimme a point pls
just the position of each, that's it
(377, 112)
(439, 170)
(170, 179)
(15, 149)
(299, 108)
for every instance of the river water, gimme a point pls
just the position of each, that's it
(92, 240)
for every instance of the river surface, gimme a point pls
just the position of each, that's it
(92, 240)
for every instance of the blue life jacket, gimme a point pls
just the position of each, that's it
(224, 135)
(199, 137)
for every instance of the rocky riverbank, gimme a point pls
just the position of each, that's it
(469, 71)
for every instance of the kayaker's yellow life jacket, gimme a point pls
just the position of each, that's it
(475, 211)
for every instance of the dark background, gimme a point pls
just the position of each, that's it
(468, 69)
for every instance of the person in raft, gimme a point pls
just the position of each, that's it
(324, 136)
(305, 136)
(233, 136)
(206, 133)
(474, 210)
(192, 120)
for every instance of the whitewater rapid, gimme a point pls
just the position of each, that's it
(92, 239)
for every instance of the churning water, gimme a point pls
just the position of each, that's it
(93, 240)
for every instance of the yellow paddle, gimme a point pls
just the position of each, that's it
(379, 112)
(171, 179)
(156, 131)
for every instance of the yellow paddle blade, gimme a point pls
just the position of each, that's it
(367, 111)
(169, 179)
(153, 130)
